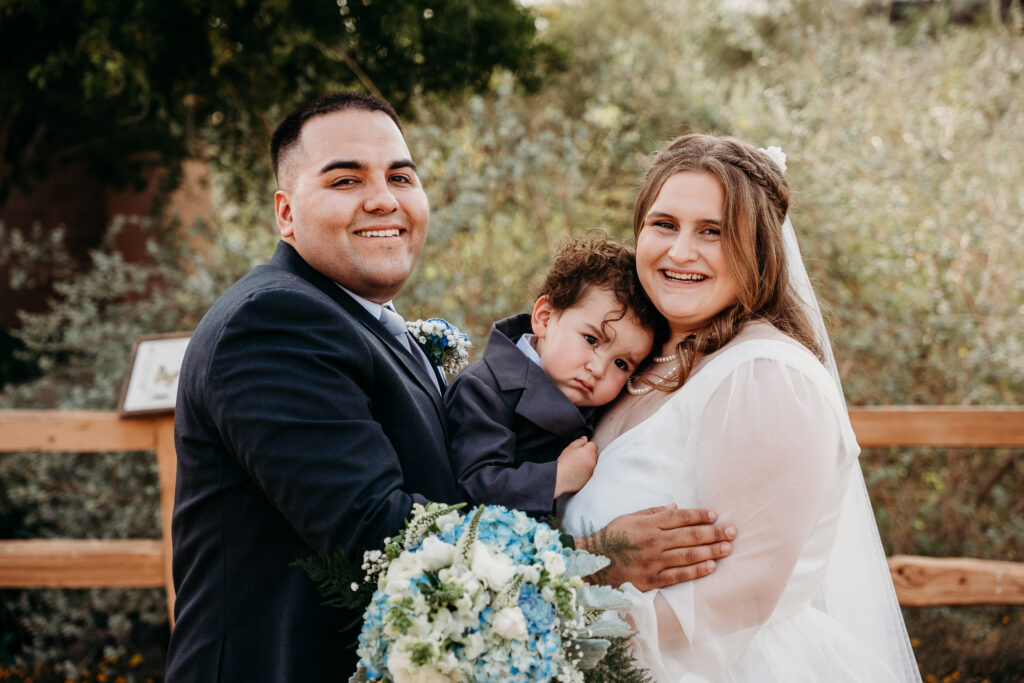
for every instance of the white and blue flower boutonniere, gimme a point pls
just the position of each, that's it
(447, 347)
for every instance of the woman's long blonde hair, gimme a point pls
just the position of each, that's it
(756, 203)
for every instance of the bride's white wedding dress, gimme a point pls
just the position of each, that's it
(760, 434)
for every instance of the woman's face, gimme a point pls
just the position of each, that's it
(679, 255)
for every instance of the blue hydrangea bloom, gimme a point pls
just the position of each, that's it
(540, 615)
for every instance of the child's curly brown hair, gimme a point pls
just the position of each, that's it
(596, 261)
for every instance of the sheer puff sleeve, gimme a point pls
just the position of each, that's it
(772, 451)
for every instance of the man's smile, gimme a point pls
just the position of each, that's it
(379, 232)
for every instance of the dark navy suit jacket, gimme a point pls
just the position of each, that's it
(509, 422)
(301, 426)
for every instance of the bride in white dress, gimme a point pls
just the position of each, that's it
(742, 413)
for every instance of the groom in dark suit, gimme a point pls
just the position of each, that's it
(307, 422)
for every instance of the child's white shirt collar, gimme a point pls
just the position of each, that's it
(528, 345)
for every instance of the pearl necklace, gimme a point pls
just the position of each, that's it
(650, 387)
(663, 359)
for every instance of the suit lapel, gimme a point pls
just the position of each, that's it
(541, 402)
(287, 258)
(545, 406)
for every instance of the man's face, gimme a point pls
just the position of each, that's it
(351, 203)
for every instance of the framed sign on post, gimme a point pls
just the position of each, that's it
(151, 385)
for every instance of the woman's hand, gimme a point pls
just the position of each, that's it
(666, 546)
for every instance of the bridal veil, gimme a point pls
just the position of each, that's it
(858, 590)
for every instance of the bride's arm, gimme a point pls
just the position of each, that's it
(767, 455)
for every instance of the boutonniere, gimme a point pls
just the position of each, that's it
(447, 347)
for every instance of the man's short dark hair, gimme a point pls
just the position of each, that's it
(289, 130)
(596, 261)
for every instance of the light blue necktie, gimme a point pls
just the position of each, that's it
(395, 324)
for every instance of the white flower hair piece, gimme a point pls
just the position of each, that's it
(777, 156)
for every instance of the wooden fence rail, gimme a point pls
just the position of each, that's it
(37, 563)
(108, 563)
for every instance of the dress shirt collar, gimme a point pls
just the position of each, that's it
(528, 345)
(372, 307)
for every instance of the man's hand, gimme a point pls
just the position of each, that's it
(671, 545)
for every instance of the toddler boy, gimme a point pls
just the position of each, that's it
(533, 393)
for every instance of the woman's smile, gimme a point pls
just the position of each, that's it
(684, 277)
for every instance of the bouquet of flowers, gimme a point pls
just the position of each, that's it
(447, 347)
(490, 596)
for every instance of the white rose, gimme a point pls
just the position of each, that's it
(462, 576)
(553, 562)
(435, 553)
(404, 567)
(446, 522)
(402, 669)
(510, 623)
(443, 622)
(473, 645)
(521, 523)
(493, 568)
(464, 605)
(542, 536)
(530, 573)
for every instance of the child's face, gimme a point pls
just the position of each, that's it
(588, 355)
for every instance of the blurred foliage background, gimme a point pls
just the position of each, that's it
(904, 129)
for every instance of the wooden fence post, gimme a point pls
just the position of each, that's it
(167, 463)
